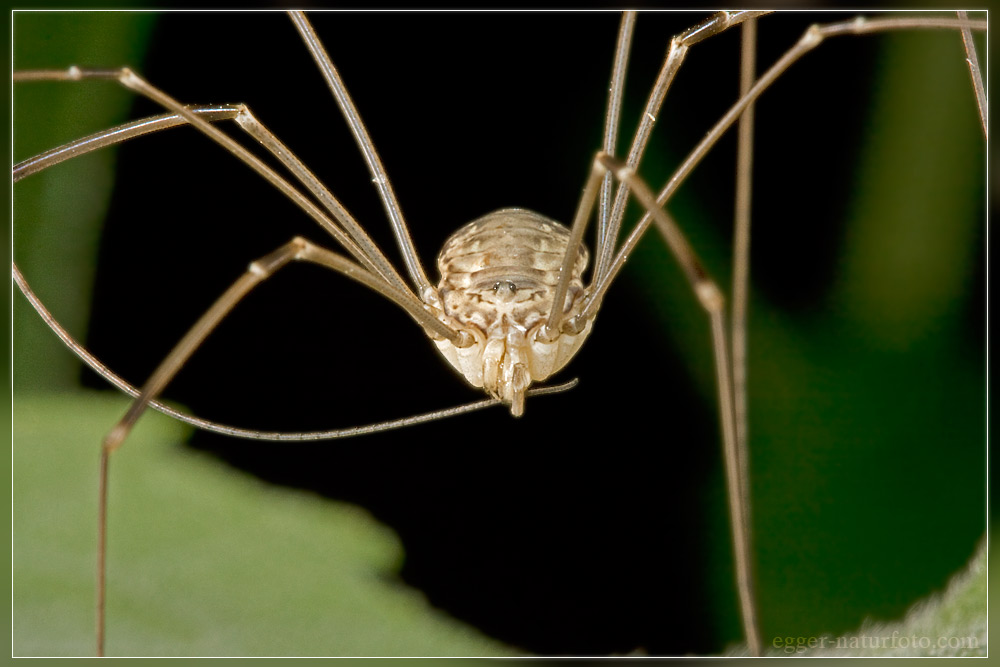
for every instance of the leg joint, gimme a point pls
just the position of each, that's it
(264, 267)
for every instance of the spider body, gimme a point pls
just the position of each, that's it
(498, 276)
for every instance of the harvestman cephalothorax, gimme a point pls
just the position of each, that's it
(527, 168)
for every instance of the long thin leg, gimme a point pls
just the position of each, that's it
(117, 135)
(711, 299)
(140, 127)
(708, 293)
(364, 142)
(118, 382)
(364, 250)
(977, 75)
(812, 37)
(612, 120)
(244, 119)
(132, 81)
(257, 272)
(252, 126)
(713, 302)
(584, 208)
(298, 249)
(676, 54)
(608, 232)
(741, 266)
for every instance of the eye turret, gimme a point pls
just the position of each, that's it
(504, 289)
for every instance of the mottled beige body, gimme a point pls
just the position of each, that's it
(498, 278)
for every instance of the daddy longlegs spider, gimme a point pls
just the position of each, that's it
(549, 499)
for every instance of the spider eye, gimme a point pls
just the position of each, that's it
(504, 288)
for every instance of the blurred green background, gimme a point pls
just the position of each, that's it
(866, 343)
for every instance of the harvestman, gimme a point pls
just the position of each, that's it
(505, 361)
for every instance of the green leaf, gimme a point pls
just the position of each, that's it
(202, 561)
(47, 114)
(950, 623)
